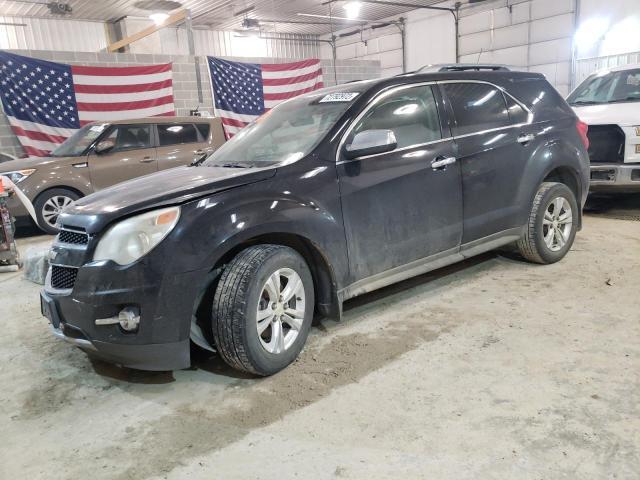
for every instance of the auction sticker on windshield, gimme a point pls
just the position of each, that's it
(339, 97)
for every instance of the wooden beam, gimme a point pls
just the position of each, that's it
(175, 18)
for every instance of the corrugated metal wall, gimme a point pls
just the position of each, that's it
(48, 34)
(586, 66)
(82, 36)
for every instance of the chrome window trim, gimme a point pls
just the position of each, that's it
(396, 88)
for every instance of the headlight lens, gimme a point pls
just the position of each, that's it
(130, 239)
(18, 175)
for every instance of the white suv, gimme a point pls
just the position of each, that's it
(609, 102)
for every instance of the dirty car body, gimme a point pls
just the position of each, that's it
(359, 221)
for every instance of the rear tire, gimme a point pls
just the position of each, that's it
(48, 206)
(552, 224)
(263, 309)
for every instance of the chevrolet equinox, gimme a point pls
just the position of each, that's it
(327, 196)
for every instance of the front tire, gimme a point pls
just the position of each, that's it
(552, 224)
(263, 309)
(49, 205)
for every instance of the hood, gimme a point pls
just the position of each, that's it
(24, 163)
(169, 187)
(624, 114)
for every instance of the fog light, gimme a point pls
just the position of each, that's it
(128, 318)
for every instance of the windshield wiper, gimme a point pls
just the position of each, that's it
(627, 99)
(233, 165)
(584, 102)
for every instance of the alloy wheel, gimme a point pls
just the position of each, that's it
(557, 224)
(52, 208)
(281, 310)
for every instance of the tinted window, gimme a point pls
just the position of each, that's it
(476, 107)
(203, 128)
(517, 114)
(411, 114)
(127, 137)
(172, 134)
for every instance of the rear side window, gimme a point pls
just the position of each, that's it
(411, 113)
(128, 137)
(476, 107)
(177, 133)
(203, 128)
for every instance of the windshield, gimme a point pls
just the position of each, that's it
(609, 87)
(285, 134)
(78, 143)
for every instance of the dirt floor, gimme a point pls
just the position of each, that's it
(490, 369)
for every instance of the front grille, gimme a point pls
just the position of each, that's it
(606, 144)
(63, 278)
(75, 238)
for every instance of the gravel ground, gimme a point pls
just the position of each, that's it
(492, 368)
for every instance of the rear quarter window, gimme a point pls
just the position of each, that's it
(177, 133)
(541, 98)
(203, 128)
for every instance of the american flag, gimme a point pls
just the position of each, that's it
(47, 102)
(244, 91)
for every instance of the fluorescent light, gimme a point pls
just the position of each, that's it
(159, 18)
(352, 9)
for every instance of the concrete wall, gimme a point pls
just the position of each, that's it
(184, 78)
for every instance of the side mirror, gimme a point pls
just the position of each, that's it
(104, 146)
(371, 142)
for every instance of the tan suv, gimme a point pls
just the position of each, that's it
(102, 154)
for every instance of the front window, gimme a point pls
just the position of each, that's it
(611, 87)
(130, 137)
(79, 142)
(284, 134)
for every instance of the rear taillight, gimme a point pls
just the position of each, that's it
(583, 128)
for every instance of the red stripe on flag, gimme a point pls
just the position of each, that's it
(289, 80)
(118, 106)
(120, 71)
(279, 67)
(33, 135)
(140, 87)
(35, 152)
(287, 95)
(233, 122)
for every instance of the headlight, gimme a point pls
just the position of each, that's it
(130, 239)
(18, 175)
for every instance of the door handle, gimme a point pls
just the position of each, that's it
(526, 138)
(442, 163)
(147, 159)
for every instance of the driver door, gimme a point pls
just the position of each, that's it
(132, 155)
(400, 206)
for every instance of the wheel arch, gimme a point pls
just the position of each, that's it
(326, 301)
(58, 187)
(569, 177)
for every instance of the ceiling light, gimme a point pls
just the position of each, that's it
(352, 9)
(159, 18)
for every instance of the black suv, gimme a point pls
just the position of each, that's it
(325, 197)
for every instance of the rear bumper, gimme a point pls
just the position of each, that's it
(615, 177)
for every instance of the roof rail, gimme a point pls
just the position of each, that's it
(463, 67)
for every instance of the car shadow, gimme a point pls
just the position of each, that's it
(619, 206)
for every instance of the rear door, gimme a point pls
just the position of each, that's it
(181, 143)
(398, 206)
(133, 155)
(491, 154)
